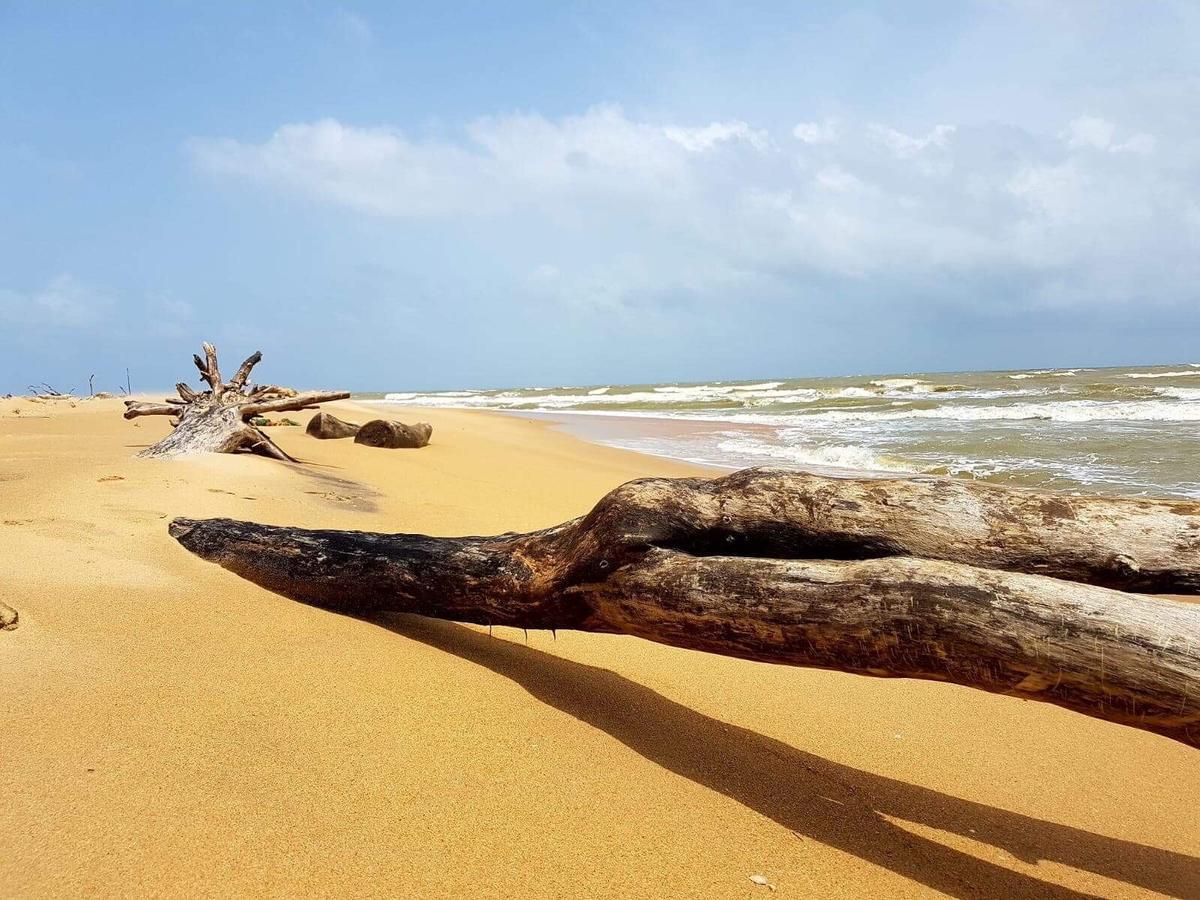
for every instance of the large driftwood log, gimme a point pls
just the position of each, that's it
(916, 578)
(218, 420)
(329, 427)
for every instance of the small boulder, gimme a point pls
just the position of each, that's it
(327, 427)
(383, 433)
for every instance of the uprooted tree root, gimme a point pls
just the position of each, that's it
(218, 420)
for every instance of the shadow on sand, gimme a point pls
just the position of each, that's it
(835, 804)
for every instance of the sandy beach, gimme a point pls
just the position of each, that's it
(172, 730)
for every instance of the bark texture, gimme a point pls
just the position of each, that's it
(915, 578)
(330, 427)
(217, 420)
(384, 433)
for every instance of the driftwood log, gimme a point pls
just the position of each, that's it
(329, 427)
(218, 420)
(1007, 591)
(385, 433)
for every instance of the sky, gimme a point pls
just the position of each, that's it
(440, 195)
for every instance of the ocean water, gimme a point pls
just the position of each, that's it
(1128, 431)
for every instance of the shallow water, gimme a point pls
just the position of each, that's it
(1131, 431)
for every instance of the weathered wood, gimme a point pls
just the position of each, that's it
(239, 379)
(385, 433)
(253, 407)
(217, 420)
(914, 578)
(329, 427)
(133, 409)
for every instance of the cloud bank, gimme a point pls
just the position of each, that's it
(1094, 213)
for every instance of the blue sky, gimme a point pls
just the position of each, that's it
(391, 196)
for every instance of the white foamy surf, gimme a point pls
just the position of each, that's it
(1095, 429)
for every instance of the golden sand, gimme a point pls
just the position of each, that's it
(169, 729)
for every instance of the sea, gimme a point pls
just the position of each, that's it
(1121, 431)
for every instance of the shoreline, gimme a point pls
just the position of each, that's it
(1018, 437)
(576, 424)
(611, 429)
(175, 730)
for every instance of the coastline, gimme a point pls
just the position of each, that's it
(1123, 431)
(171, 727)
(605, 429)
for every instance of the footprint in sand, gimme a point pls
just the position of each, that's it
(230, 493)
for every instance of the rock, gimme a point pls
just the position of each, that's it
(8, 617)
(383, 433)
(327, 427)
(102, 395)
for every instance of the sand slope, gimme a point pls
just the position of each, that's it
(169, 729)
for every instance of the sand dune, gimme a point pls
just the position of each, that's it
(170, 729)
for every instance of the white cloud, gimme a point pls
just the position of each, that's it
(1098, 134)
(698, 140)
(906, 145)
(1139, 143)
(65, 302)
(504, 162)
(864, 200)
(1055, 192)
(835, 178)
(1090, 131)
(825, 132)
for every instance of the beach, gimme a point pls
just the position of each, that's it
(173, 730)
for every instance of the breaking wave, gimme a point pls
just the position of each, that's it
(1103, 429)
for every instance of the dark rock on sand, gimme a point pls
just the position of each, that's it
(383, 433)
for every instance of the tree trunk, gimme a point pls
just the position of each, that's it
(382, 433)
(915, 578)
(330, 427)
(218, 420)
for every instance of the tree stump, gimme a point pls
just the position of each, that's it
(998, 589)
(385, 433)
(218, 420)
(329, 427)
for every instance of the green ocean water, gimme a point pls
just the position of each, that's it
(1128, 431)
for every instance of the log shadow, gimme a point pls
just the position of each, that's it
(834, 804)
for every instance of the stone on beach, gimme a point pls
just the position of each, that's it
(385, 433)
